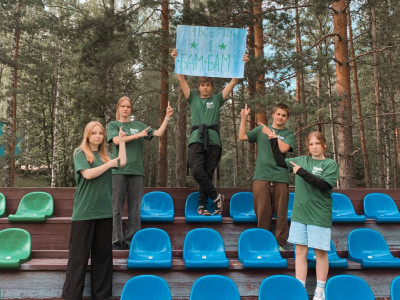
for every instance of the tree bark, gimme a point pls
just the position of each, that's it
(235, 141)
(344, 111)
(162, 145)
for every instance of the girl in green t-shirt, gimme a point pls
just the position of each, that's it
(311, 220)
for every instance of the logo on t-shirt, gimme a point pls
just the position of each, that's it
(133, 131)
(280, 137)
(317, 171)
(210, 105)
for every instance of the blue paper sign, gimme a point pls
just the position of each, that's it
(210, 51)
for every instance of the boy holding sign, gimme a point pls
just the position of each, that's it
(204, 141)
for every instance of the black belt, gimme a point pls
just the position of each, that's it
(203, 133)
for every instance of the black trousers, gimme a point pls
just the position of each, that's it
(203, 164)
(91, 237)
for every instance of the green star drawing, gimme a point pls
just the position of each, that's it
(193, 45)
(222, 46)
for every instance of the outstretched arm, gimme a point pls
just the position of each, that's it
(243, 119)
(229, 88)
(181, 78)
(160, 131)
(310, 178)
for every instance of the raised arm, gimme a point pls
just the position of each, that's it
(181, 78)
(160, 131)
(243, 119)
(229, 88)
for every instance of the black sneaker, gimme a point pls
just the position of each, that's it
(203, 211)
(218, 204)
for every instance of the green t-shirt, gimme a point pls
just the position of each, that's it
(311, 205)
(134, 148)
(93, 197)
(205, 111)
(266, 167)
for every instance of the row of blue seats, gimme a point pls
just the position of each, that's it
(257, 248)
(159, 207)
(275, 287)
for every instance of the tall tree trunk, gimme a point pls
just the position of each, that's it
(378, 104)
(162, 145)
(259, 53)
(54, 164)
(367, 173)
(344, 112)
(11, 128)
(235, 141)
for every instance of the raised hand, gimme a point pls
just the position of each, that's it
(271, 134)
(121, 135)
(144, 132)
(169, 111)
(245, 111)
(174, 53)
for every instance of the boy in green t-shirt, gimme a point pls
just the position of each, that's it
(204, 141)
(270, 182)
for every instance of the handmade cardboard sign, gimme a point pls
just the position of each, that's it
(210, 51)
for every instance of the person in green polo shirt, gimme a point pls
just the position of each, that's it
(311, 221)
(270, 181)
(128, 182)
(91, 227)
(204, 142)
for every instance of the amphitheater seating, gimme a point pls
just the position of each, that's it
(334, 260)
(15, 247)
(395, 289)
(278, 287)
(2, 205)
(258, 248)
(381, 207)
(241, 207)
(157, 207)
(191, 206)
(214, 287)
(33, 207)
(343, 210)
(150, 248)
(290, 206)
(146, 287)
(347, 287)
(204, 248)
(369, 247)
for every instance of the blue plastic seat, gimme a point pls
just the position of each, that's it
(157, 207)
(369, 247)
(146, 287)
(241, 208)
(290, 206)
(343, 210)
(33, 207)
(214, 287)
(334, 260)
(347, 287)
(258, 248)
(278, 287)
(204, 248)
(150, 248)
(395, 289)
(2, 205)
(191, 205)
(381, 207)
(15, 247)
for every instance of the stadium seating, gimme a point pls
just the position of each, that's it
(157, 207)
(241, 207)
(258, 248)
(343, 210)
(2, 205)
(395, 289)
(33, 207)
(191, 206)
(204, 248)
(146, 287)
(150, 248)
(334, 260)
(381, 207)
(347, 287)
(214, 287)
(278, 287)
(15, 247)
(369, 247)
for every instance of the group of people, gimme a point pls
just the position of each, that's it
(104, 182)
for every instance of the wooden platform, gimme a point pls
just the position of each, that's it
(43, 276)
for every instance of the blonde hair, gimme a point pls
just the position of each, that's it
(320, 137)
(119, 103)
(85, 146)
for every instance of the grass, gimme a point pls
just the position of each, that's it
(30, 181)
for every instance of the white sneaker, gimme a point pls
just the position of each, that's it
(319, 294)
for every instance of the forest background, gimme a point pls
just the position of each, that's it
(64, 63)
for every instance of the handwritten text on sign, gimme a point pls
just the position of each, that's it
(210, 51)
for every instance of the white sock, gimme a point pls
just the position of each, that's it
(303, 282)
(320, 285)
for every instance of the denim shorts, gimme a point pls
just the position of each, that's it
(310, 235)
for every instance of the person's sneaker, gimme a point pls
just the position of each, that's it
(219, 204)
(319, 294)
(201, 210)
(281, 248)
